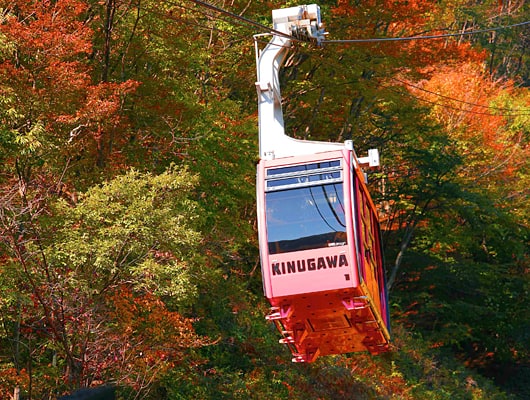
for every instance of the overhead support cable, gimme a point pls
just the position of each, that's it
(244, 19)
(450, 107)
(526, 111)
(441, 36)
(367, 40)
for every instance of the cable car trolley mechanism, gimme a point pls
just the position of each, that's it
(319, 238)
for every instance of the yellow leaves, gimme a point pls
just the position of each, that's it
(166, 279)
(138, 227)
(30, 139)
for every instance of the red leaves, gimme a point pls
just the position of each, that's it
(38, 27)
(142, 340)
(103, 101)
(47, 71)
(46, 66)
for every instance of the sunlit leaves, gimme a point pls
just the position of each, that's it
(135, 233)
(135, 221)
(49, 97)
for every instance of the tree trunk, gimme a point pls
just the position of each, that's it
(409, 231)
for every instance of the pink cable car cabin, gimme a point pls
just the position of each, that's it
(319, 238)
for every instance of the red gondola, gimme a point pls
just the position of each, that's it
(320, 245)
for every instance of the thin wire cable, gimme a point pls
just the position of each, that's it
(409, 38)
(524, 112)
(461, 101)
(512, 112)
(198, 25)
(452, 107)
(244, 19)
(516, 113)
(208, 16)
(238, 37)
(238, 22)
(318, 209)
(330, 206)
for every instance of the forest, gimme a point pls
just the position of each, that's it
(128, 237)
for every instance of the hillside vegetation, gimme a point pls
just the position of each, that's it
(128, 244)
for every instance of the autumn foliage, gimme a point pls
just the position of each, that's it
(128, 142)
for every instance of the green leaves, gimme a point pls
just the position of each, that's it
(136, 226)
(134, 234)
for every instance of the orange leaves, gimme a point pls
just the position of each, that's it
(102, 103)
(396, 19)
(463, 98)
(10, 378)
(144, 338)
(145, 320)
(344, 8)
(51, 30)
(46, 63)
(386, 17)
(67, 75)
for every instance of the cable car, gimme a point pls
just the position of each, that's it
(319, 238)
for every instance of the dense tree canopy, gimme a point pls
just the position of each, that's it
(128, 142)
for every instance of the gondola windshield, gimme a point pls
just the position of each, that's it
(305, 207)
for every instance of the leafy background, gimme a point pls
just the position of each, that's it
(128, 143)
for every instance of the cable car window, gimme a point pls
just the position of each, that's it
(303, 175)
(305, 218)
(303, 167)
(303, 180)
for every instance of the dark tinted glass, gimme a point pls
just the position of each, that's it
(305, 218)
